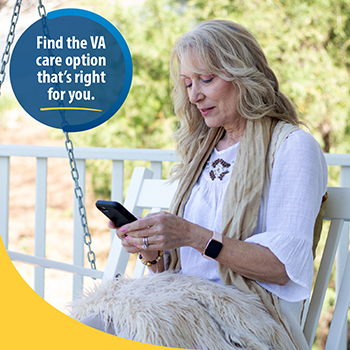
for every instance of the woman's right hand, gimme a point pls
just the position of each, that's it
(148, 255)
(129, 247)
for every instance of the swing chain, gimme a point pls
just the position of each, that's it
(41, 9)
(79, 195)
(9, 40)
(74, 170)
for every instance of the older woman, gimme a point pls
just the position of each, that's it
(251, 182)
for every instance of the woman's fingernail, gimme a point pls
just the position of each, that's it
(122, 229)
(135, 244)
(127, 238)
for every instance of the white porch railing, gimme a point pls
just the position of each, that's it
(117, 157)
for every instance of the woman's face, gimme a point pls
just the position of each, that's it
(215, 98)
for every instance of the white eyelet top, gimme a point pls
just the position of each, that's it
(298, 182)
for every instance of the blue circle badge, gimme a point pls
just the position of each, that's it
(71, 70)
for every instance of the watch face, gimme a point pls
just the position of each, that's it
(213, 249)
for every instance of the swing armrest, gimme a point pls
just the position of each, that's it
(51, 264)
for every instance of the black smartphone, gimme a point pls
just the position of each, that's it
(115, 212)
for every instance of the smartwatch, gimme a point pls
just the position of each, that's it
(213, 247)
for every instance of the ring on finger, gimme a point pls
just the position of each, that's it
(145, 242)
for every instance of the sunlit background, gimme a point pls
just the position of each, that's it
(307, 44)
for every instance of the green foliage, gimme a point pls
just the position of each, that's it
(307, 44)
(146, 119)
(7, 103)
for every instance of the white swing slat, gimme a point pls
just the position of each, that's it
(151, 197)
(340, 312)
(118, 258)
(322, 280)
(155, 195)
(56, 265)
(338, 211)
(132, 197)
(144, 192)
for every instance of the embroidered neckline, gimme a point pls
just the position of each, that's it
(218, 169)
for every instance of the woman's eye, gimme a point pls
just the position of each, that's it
(188, 83)
(206, 81)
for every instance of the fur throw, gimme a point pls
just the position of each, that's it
(182, 311)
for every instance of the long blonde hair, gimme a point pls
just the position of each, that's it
(228, 50)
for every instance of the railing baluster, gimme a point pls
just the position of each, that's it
(117, 180)
(78, 236)
(117, 184)
(156, 167)
(4, 198)
(40, 223)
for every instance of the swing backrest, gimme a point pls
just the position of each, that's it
(144, 192)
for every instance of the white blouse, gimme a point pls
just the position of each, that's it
(298, 182)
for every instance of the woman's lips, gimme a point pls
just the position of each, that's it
(206, 111)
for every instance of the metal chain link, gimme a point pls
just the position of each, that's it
(74, 170)
(10, 37)
(79, 195)
(56, 85)
(41, 9)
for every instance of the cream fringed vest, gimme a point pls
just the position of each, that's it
(250, 178)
